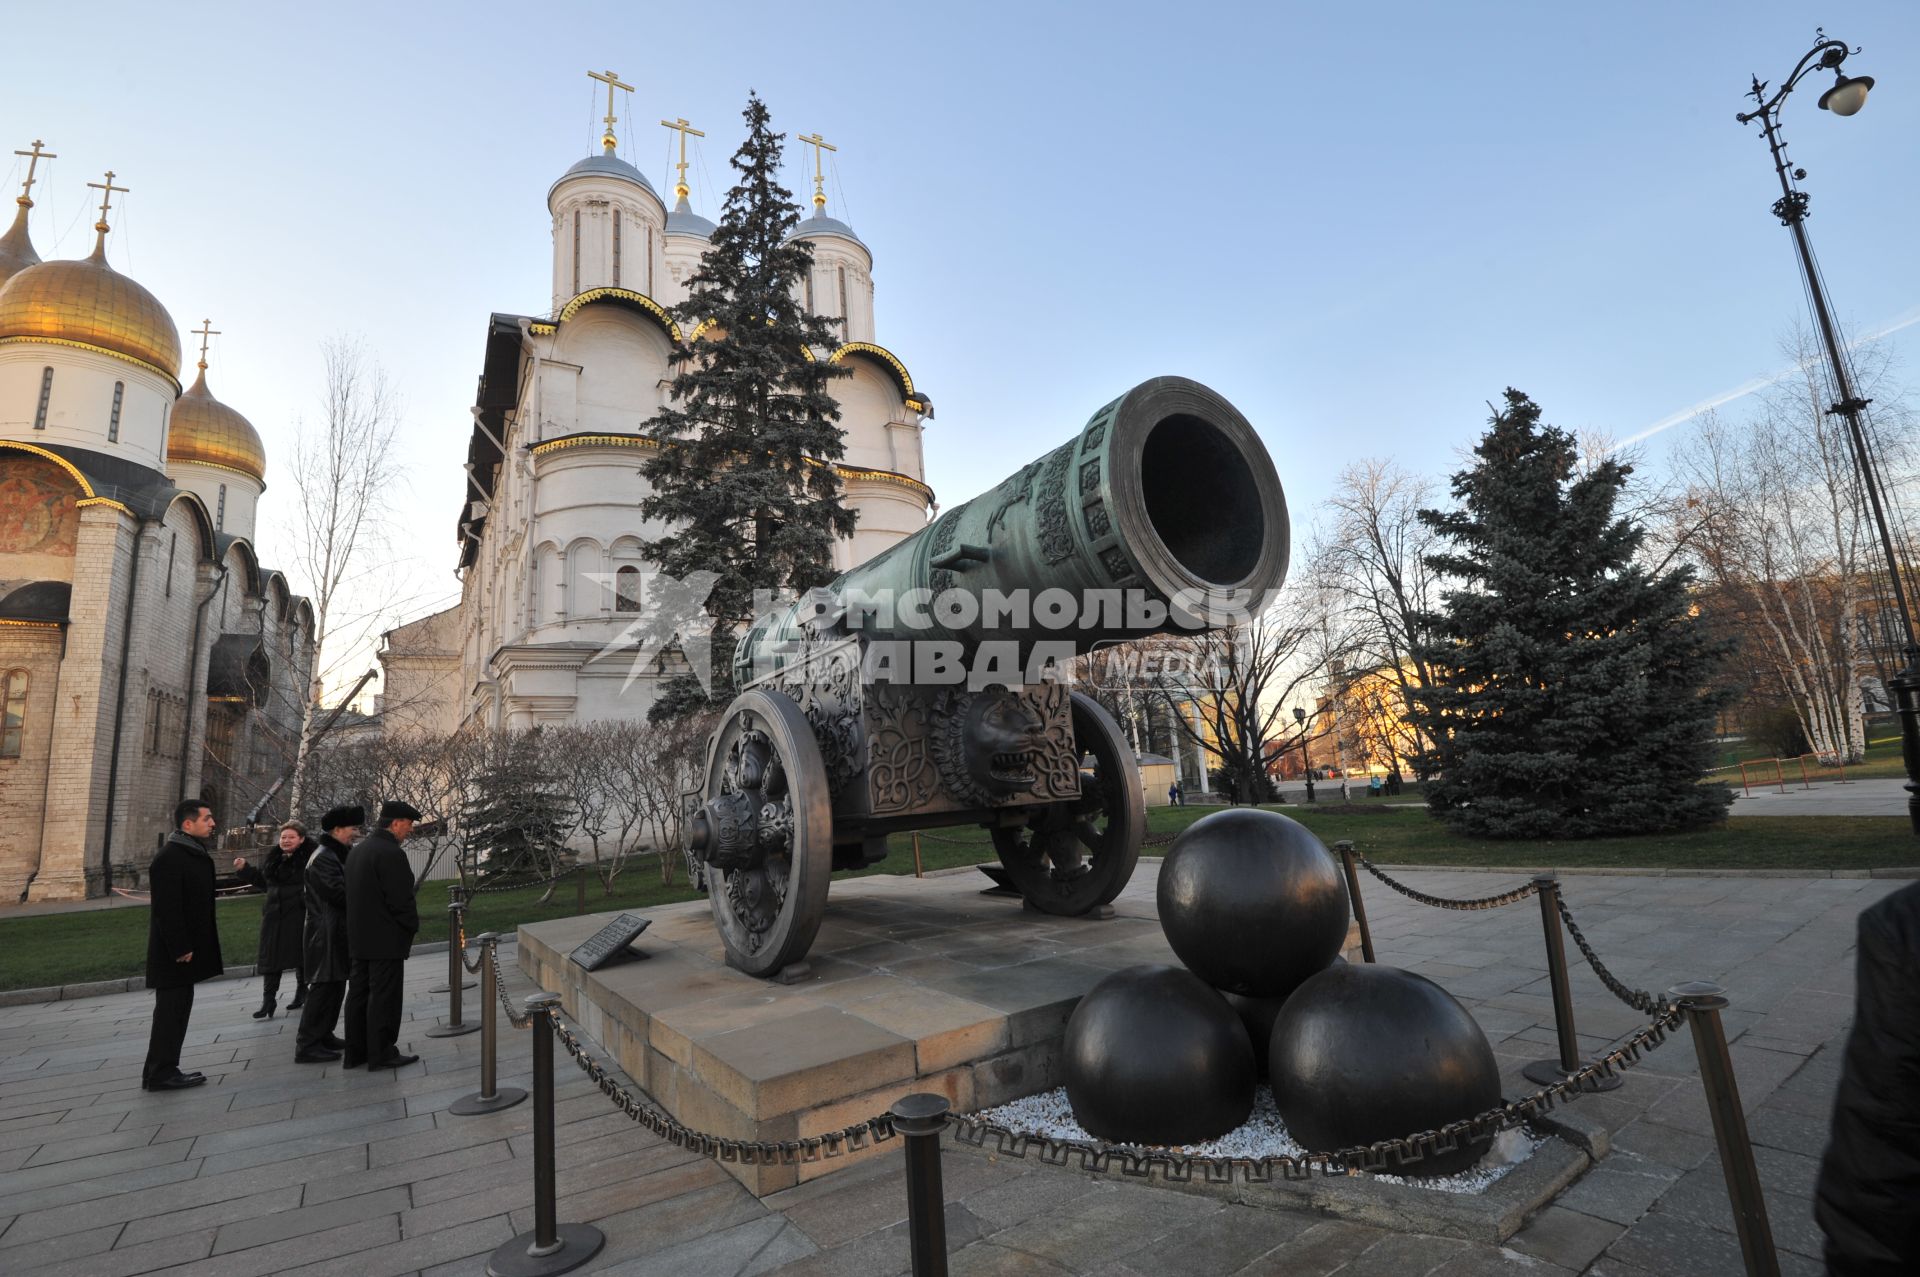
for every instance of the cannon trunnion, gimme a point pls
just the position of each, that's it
(866, 711)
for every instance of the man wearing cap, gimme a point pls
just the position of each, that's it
(382, 919)
(325, 950)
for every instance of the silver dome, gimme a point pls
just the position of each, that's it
(606, 164)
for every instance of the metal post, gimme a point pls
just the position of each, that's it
(1703, 1001)
(920, 1118)
(456, 954)
(551, 1247)
(916, 854)
(1547, 1072)
(1345, 848)
(490, 1098)
(456, 895)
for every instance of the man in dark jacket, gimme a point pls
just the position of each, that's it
(382, 919)
(1867, 1200)
(327, 963)
(183, 941)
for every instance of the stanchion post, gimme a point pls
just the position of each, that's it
(919, 1118)
(916, 853)
(456, 954)
(552, 1247)
(491, 1097)
(1702, 1001)
(457, 895)
(1345, 848)
(1547, 1072)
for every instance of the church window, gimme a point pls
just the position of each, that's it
(113, 422)
(173, 543)
(843, 298)
(626, 590)
(649, 261)
(576, 252)
(616, 248)
(13, 704)
(46, 395)
(810, 309)
(220, 511)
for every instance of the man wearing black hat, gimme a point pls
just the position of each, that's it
(183, 941)
(327, 961)
(382, 919)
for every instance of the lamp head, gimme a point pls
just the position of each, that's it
(1299, 715)
(1848, 94)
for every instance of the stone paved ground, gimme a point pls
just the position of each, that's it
(281, 1168)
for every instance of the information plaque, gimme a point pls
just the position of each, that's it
(612, 939)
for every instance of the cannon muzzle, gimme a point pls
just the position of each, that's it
(1164, 513)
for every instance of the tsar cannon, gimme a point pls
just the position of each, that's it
(923, 688)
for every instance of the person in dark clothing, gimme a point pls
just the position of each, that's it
(327, 963)
(382, 919)
(1867, 1199)
(183, 941)
(282, 915)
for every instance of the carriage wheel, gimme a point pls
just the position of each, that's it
(1074, 856)
(767, 802)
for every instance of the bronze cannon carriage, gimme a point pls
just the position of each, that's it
(921, 689)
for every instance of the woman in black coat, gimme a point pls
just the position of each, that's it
(283, 915)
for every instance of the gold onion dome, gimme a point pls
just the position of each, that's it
(206, 431)
(88, 303)
(16, 250)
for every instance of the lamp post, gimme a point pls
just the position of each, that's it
(1846, 96)
(1306, 764)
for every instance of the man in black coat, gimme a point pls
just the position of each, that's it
(326, 957)
(183, 941)
(1867, 1200)
(382, 920)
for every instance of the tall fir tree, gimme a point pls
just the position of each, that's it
(746, 483)
(1570, 697)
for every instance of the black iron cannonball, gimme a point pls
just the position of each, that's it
(1252, 902)
(1363, 1052)
(1258, 1014)
(1154, 1056)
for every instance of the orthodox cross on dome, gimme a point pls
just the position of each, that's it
(685, 130)
(612, 80)
(25, 198)
(106, 189)
(818, 144)
(203, 332)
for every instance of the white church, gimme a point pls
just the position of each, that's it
(551, 542)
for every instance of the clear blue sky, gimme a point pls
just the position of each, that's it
(1359, 222)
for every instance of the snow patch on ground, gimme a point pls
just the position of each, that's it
(1263, 1134)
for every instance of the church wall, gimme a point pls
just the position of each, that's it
(888, 514)
(420, 683)
(840, 287)
(869, 402)
(39, 522)
(588, 254)
(80, 401)
(34, 650)
(621, 360)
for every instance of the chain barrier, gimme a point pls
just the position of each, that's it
(516, 1019)
(1639, 999)
(479, 959)
(522, 885)
(1382, 1155)
(1515, 896)
(849, 1139)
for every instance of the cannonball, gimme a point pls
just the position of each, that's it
(1154, 1056)
(1252, 902)
(1363, 1052)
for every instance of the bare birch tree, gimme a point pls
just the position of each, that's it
(341, 468)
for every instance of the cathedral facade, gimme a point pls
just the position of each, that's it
(145, 652)
(552, 550)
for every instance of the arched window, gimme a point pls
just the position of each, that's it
(13, 713)
(626, 590)
(113, 422)
(46, 397)
(220, 511)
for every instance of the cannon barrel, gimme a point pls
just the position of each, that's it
(1165, 497)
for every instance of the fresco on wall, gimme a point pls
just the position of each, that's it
(39, 525)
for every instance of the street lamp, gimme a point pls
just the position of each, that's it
(1306, 764)
(1846, 96)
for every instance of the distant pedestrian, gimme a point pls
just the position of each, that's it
(1867, 1199)
(1374, 786)
(282, 915)
(327, 962)
(183, 941)
(1173, 794)
(382, 919)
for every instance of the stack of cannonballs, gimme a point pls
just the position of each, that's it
(1256, 908)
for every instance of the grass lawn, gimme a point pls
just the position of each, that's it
(100, 944)
(1882, 761)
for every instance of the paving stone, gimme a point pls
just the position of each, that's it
(413, 1252)
(1566, 1237)
(1663, 1243)
(211, 1215)
(301, 1252)
(33, 1256)
(882, 1253)
(1405, 1255)
(155, 1256)
(1668, 1145)
(280, 1225)
(1323, 1248)
(1620, 1189)
(1222, 1243)
(1486, 1261)
(990, 1259)
(728, 1251)
(1105, 1224)
(1009, 1204)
